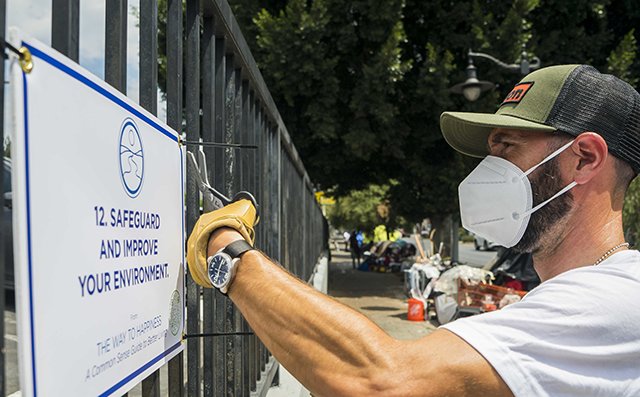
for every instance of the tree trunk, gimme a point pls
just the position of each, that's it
(446, 233)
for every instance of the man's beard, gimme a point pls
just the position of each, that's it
(544, 185)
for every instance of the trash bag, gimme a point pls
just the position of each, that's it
(509, 299)
(420, 280)
(511, 265)
(448, 281)
(446, 308)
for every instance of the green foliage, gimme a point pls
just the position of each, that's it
(623, 57)
(620, 62)
(162, 44)
(631, 212)
(364, 210)
(392, 83)
(333, 68)
(296, 41)
(361, 84)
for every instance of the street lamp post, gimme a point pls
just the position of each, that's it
(471, 88)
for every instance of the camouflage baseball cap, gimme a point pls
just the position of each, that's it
(568, 98)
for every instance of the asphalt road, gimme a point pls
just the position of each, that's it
(471, 257)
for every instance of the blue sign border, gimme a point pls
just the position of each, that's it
(118, 101)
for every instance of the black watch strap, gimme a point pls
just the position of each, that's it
(237, 248)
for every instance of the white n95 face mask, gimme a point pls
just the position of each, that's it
(496, 200)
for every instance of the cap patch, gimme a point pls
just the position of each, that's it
(517, 93)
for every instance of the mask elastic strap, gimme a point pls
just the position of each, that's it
(561, 192)
(549, 157)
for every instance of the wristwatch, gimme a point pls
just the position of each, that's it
(222, 266)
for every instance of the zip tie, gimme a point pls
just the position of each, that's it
(24, 55)
(185, 336)
(218, 144)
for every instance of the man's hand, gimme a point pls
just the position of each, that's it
(239, 216)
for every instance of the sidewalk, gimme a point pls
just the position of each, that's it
(379, 296)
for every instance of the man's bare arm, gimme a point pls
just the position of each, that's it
(335, 351)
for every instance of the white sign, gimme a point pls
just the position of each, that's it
(99, 232)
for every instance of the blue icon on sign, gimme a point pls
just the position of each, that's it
(131, 158)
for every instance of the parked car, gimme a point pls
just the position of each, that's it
(481, 242)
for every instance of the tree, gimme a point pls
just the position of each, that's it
(620, 63)
(365, 209)
(429, 47)
(333, 68)
(361, 84)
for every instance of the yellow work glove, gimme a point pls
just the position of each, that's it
(239, 215)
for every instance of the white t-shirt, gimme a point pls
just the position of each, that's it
(577, 334)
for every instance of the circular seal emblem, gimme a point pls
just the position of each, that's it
(175, 314)
(131, 158)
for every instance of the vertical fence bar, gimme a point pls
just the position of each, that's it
(65, 27)
(238, 155)
(260, 176)
(255, 174)
(263, 175)
(208, 114)
(267, 131)
(149, 100)
(284, 203)
(174, 120)
(302, 190)
(4, 250)
(219, 183)
(246, 179)
(249, 373)
(115, 59)
(192, 86)
(238, 341)
(262, 171)
(277, 209)
(229, 188)
(230, 124)
(220, 116)
(269, 165)
(245, 172)
(149, 55)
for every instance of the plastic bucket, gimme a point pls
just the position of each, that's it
(416, 310)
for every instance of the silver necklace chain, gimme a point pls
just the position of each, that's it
(611, 251)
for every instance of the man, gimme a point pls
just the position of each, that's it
(563, 148)
(354, 245)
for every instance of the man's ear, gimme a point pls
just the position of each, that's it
(592, 152)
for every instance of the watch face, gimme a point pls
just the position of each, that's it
(219, 266)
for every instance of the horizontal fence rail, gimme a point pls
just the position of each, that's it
(214, 93)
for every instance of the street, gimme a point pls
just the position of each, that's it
(469, 256)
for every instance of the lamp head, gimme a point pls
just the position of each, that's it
(472, 87)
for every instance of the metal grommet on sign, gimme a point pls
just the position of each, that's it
(26, 61)
(23, 53)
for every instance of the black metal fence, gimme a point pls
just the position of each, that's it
(226, 101)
